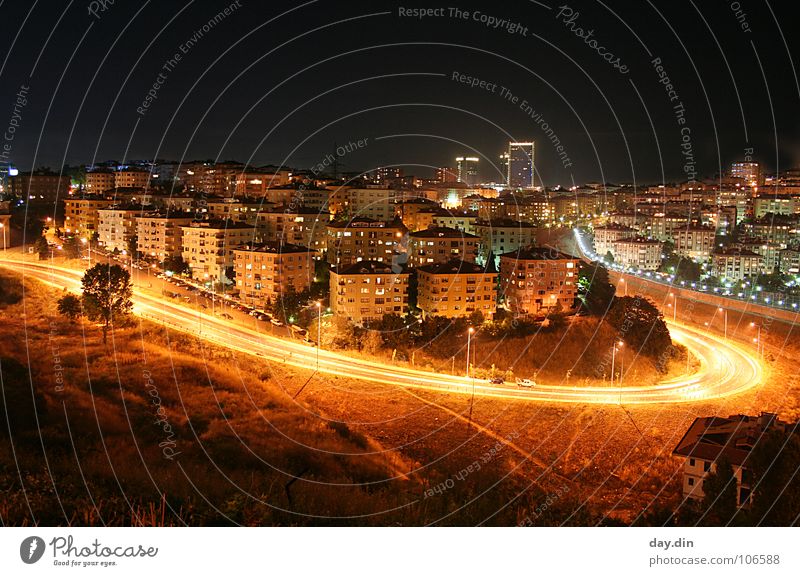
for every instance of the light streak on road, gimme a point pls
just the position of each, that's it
(725, 368)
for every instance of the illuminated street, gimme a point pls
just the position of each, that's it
(725, 367)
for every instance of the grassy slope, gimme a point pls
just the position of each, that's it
(615, 461)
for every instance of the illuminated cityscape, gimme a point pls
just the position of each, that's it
(379, 265)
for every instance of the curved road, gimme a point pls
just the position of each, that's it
(725, 367)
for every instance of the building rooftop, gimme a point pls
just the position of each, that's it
(710, 438)
(441, 232)
(504, 223)
(538, 253)
(735, 252)
(456, 266)
(273, 247)
(219, 225)
(615, 226)
(368, 267)
(637, 240)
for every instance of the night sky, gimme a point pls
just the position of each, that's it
(284, 82)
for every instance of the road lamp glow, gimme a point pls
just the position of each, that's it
(469, 339)
(319, 329)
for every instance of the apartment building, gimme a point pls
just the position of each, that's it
(265, 271)
(116, 227)
(159, 235)
(711, 439)
(304, 226)
(132, 178)
(538, 280)
(100, 180)
(364, 291)
(502, 235)
(637, 252)
(81, 215)
(456, 288)
(39, 186)
(694, 241)
(735, 263)
(439, 245)
(208, 247)
(460, 220)
(239, 210)
(605, 236)
(363, 239)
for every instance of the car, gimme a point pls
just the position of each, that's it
(276, 322)
(497, 380)
(262, 316)
(226, 316)
(525, 383)
(297, 330)
(187, 298)
(254, 312)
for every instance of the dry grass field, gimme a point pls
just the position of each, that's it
(160, 428)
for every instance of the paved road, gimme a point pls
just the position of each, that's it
(725, 367)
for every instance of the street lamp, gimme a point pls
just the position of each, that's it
(674, 306)
(89, 244)
(3, 226)
(469, 339)
(613, 358)
(757, 339)
(725, 310)
(319, 329)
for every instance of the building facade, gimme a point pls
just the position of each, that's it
(208, 247)
(159, 236)
(456, 288)
(359, 239)
(439, 245)
(735, 263)
(538, 280)
(363, 292)
(267, 270)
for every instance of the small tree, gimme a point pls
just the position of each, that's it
(107, 293)
(70, 306)
(595, 292)
(72, 248)
(720, 495)
(42, 248)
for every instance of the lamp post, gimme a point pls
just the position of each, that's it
(469, 339)
(89, 245)
(319, 330)
(3, 226)
(725, 310)
(613, 359)
(759, 345)
(674, 306)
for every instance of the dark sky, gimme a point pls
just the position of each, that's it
(281, 82)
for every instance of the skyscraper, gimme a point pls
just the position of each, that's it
(750, 172)
(520, 165)
(467, 168)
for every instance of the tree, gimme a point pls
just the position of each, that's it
(641, 325)
(107, 293)
(70, 306)
(175, 264)
(774, 462)
(72, 248)
(133, 246)
(720, 489)
(684, 269)
(42, 248)
(609, 257)
(595, 292)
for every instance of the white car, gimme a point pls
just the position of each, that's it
(525, 383)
